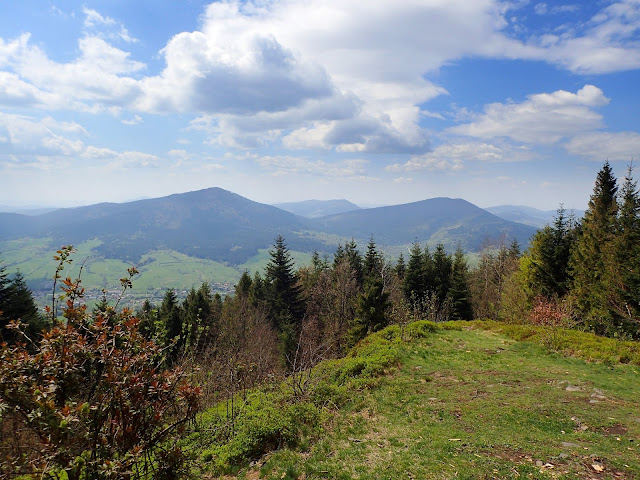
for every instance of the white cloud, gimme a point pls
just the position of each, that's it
(607, 43)
(289, 165)
(135, 120)
(543, 118)
(602, 146)
(452, 156)
(108, 27)
(22, 135)
(327, 74)
(36, 80)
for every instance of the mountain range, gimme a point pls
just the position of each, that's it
(223, 226)
(318, 208)
(529, 215)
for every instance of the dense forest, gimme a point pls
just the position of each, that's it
(107, 392)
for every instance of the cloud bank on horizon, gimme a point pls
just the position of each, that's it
(378, 102)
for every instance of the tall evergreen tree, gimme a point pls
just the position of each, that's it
(459, 292)
(373, 262)
(17, 303)
(170, 317)
(355, 260)
(371, 313)
(284, 298)
(401, 267)
(244, 284)
(413, 285)
(442, 265)
(548, 272)
(593, 253)
(625, 270)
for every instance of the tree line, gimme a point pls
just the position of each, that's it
(576, 273)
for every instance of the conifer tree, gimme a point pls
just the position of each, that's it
(244, 284)
(442, 265)
(17, 303)
(401, 267)
(548, 272)
(170, 317)
(625, 269)
(593, 252)
(355, 260)
(459, 292)
(413, 285)
(373, 261)
(371, 313)
(284, 297)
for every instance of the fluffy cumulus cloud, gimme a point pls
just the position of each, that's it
(341, 75)
(22, 135)
(452, 156)
(601, 146)
(607, 42)
(544, 118)
(36, 80)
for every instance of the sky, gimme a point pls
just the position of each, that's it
(378, 101)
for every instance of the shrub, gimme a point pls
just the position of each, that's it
(92, 397)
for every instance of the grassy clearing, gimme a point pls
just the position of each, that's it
(463, 403)
(570, 342)
(258, 262)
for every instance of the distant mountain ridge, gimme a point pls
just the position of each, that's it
(220, 225)
(529, 215)
(437, 220)
(318, 208)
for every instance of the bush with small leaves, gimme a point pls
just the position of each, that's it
(92, 399)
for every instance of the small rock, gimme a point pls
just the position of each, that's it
(572, 388)
(538, 463)
(569, 444)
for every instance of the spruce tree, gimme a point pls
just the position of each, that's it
(244, 284)
(355, 260)
(170, 317)
(401, 267)
(373, 261)
(459, 292)
(625, 270)
(284, 298)
(593, 252)
(17, 303)
(371, 313)
(548, 271)
(442, 265)
(413, 285)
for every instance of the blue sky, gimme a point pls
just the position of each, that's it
(379, 102)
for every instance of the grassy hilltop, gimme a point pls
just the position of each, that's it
(433, 403)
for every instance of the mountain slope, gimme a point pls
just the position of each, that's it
(219, 225)
(211, 223)
(528, 215)
(446, 220)
(318, 208)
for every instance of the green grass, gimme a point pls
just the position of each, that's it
(456, 402)
(259, 262)
(159, 270)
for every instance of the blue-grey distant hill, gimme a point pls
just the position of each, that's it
(451, 221)
(529, 215)
(318, 208)
(219, 225)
